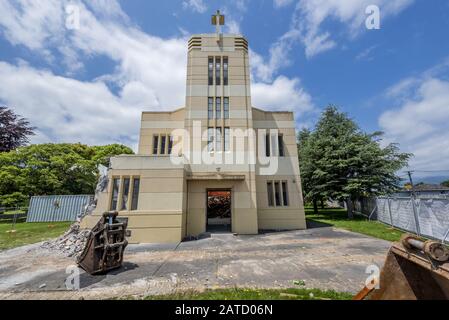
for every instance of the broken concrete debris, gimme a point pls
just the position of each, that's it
(71, 243)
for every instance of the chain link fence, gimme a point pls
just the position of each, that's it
(427, 217)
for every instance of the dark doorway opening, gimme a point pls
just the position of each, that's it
(219, 211)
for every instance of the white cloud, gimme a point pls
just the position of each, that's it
(195, 5)
(265, 69)
(67, 110)
(420, 123)
(281, 95)
(31, 23)
(365, 55)
(158, 64)
(233, 27)
(310, 15)
(282, 3)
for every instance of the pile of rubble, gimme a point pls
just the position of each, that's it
(71, 243)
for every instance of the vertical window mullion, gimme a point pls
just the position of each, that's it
(119, 200)
(227, 137)
(277, 194)
(274, 147)
(210, 139)
(131, 191)
(163, 146)
(218, 139)
(170, 144)
(125, 194)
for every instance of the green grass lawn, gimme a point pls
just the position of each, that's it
(27, 233)
(339, 218)
(256, 294)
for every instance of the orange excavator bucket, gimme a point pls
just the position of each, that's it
(413, 270)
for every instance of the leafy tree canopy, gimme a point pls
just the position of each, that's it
(14, 130)
(48, 169)
(339, 161)
(445, 183)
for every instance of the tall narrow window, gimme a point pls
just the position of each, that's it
(284, 193)
(218, 139)
(170, 144)
(226, 107)
(135, 195)
(163, 143)
(218, 71)
(210, 139)
(125, 194)
(227, 141)
(281, 145)
(218, 108)
(211, 71)
(225, 71)
(270, 194)
(210, 108)
(277, 193)
(115, 190)
(267, 145)
(155, 144)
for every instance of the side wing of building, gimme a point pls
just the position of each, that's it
(279, 191)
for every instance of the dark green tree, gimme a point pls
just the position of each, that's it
(445, 183)
(14, 130)
(338, 161)
(48, 169)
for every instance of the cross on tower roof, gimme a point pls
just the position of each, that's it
(218, 20)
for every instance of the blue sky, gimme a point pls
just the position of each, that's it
(90, 84)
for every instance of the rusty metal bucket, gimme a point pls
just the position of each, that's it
(414, 270)
(106, 244)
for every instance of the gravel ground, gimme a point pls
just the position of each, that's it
(323, 258)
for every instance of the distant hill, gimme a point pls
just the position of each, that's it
(431, 180)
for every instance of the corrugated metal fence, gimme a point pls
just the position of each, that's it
(57, 208)
(425, 217)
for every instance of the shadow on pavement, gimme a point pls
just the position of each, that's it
(313, 224)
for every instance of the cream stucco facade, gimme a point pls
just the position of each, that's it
(217, 141)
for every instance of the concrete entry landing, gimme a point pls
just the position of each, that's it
(325, 258)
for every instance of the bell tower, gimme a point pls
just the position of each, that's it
(218, 85)
(218, 104)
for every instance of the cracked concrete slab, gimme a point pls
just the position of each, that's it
(324, 258)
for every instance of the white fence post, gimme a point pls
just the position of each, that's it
(415, 214)
(389, 211)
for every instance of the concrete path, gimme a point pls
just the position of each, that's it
(324, 257)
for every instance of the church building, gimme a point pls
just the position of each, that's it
(218, 164)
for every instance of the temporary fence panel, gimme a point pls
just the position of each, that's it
(426, 217)
(434, 218)
(57, 208)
